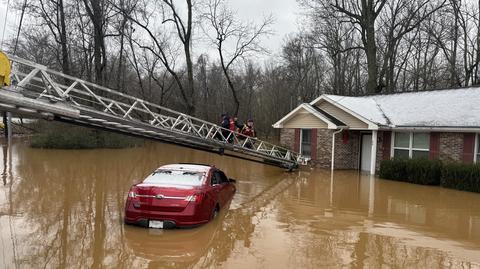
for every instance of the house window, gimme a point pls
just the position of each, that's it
(306, 143)
(408, 145)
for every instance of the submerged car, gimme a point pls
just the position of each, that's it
(179, 195)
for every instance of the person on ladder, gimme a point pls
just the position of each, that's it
(248, 131)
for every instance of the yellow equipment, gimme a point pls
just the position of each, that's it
(4, 70)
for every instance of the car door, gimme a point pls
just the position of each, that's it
(216, 186)
(228, 189)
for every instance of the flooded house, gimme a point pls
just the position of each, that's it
(344, 132)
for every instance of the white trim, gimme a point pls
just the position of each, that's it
(301, 140)
(475, 150)
(333, 149)
(308, 108)
(410, 145)
(392, 144)
(373, 157)
(371, 125)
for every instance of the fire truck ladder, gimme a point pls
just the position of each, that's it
(44, 93)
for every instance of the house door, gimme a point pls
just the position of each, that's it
(366, 152)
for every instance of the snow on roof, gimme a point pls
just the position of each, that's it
(202, 168)
(440, 108)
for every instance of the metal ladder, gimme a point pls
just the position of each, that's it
(41, 92)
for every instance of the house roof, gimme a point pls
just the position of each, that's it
(453, 108)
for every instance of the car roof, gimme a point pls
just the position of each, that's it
(201, 168)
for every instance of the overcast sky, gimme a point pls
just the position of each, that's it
(285, 13)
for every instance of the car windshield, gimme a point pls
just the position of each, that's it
(175, 177)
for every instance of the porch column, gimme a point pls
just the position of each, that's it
(333, 148)
(373, 157)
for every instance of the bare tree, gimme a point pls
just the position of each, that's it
(244, 36)
(96, 10)
(53, 14)
(363, 14)
(144, 16)
(399, 19)
(184, 33)
(304, 66)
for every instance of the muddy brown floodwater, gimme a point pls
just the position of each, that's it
(64, 209)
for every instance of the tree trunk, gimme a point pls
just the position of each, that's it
(63, 39)
(96, 15)
(188, 57)
(371, 51)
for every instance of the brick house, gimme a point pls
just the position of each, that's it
(343, 132)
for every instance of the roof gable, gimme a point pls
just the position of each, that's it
(306, 116)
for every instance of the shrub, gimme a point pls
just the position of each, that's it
(393, 169)
(419, 171)
(461, 177)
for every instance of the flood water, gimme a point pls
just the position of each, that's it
(64, 209)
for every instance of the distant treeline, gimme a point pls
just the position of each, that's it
(150, 48)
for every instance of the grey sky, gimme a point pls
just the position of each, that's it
(285, 13)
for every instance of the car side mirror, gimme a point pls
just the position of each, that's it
(232, 180)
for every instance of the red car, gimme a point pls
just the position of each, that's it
(179, 195)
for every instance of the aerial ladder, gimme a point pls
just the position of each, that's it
(37, 91)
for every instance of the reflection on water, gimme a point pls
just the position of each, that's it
(62, 209)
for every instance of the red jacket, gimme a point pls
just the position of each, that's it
(248, 131)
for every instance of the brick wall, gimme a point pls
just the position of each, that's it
(346, 151)
(380, 149)
(451, 147)
(287, 138)
(347, 155)
(324, 149)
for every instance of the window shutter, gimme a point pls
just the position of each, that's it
(313, 146)
(345, 137)
(434, 146)
(387, 142)
(468, 147)
(296, 146)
